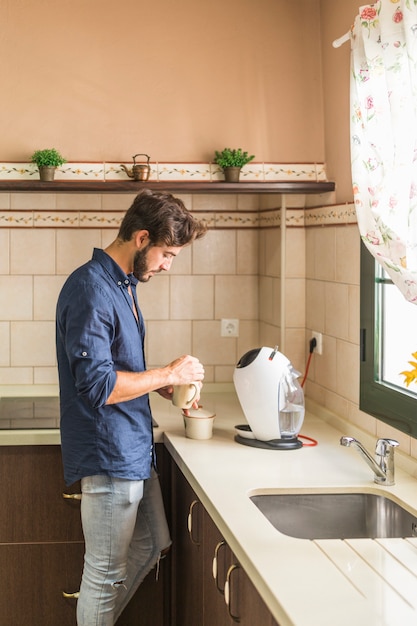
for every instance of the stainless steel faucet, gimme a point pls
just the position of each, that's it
(383, 464)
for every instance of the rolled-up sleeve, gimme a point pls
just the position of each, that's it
(88, 328)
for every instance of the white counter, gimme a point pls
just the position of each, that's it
(360, 582)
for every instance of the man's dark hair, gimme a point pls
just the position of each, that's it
(164, 217)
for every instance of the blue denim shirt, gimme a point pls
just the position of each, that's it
(97, 334)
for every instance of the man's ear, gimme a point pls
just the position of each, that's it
(141, 239)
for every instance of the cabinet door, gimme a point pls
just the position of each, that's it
(245, 604)
(34, 577)
(217, 558)
(147, 606)
(32, 484)
(187, 554)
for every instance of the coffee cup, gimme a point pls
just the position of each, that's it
(183, 396)
(199, 424)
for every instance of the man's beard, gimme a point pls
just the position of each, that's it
(140, 265)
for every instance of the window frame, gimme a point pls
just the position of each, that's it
(381, 400)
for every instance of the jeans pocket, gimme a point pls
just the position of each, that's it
(135, 491)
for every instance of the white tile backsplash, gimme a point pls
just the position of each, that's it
(32, 251)
(233, 272)
(16, 297)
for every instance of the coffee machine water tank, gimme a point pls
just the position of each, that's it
(270, 395)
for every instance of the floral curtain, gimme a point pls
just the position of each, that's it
(384, 136)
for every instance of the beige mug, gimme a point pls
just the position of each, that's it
(183, 396)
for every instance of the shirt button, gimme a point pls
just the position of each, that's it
(119, 282)
(83, 353)
(127, 282)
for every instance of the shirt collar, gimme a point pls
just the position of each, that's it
(112, 268)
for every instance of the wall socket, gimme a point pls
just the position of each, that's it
(319, 342)
(229, 328)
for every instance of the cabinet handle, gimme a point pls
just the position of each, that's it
(215, 565)
(190, 522)
(228, 591)
(72, 496)
(71, 595)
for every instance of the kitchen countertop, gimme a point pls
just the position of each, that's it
(305, 583)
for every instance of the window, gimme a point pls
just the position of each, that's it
(388, 339)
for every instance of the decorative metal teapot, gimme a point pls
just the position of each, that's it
(139, 171)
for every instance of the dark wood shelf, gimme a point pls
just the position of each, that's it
(130, 186)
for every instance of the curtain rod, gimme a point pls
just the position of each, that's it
(339, 42)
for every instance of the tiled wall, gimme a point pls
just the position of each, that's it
(234, 272)
(333, 308)
(215, 278)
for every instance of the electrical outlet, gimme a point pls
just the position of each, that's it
(319, 342)
(229, 328)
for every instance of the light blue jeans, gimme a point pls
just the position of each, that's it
(125, 531)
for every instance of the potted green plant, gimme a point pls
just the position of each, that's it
(47, 161)
(231, 161)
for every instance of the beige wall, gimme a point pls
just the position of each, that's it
(102, 80)
(175, 113)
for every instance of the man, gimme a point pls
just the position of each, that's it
(106, 422)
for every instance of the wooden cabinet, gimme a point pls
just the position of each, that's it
(42, 550)
(42, 546)
(250, 608)
(34, 576)
(41, 541)
(198, 587)
(187, 554)
(217, 557)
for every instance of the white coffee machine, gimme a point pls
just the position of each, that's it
(271, 398)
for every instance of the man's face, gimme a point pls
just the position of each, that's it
(153, 259)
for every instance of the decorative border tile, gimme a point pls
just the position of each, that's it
(272, 218)
(236, 220)
(18, 171)
(107, 219)
(15, 219)
(77, 171)
(295, 218)
(268, 218)
(209, 218)
(56, 219)
(69, 171)
(252, 172)
(183, 171)
(329, 215)
(275, 172)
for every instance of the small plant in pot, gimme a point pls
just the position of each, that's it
(47, 161)
(231, 161)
